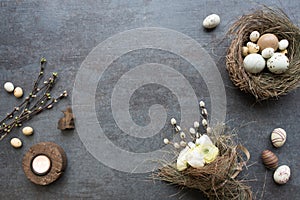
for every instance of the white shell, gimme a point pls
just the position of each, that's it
(252, 47)
(278, 137)
(16, 142)
(27, 130)
(282, 174)
(278, 63)
(211, 21)
(283, 44)
(9, 87)
(254, 36)
(245, 51)
(18, 92)
(267, 52)
(254, 63)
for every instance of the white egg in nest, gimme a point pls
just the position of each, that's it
(254, 63)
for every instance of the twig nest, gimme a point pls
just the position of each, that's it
(16, 142)
(282, 174)
(277, 32)
(269, 159)
(278, 63)
(9, 86)
(211, 21)
(254, 63)
(278, 137)
(27, 130)
(268, 41)
(18, 92)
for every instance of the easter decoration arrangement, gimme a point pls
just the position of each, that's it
(44, 162)
(264, 56)
(208, 159)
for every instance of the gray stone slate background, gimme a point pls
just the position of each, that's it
(65, 32)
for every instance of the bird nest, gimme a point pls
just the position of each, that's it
(264, 85)
(217, 180)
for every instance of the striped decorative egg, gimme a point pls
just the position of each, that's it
(269, 159)
(278, 137)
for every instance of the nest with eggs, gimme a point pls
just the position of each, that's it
(217, 180)
(264, 85)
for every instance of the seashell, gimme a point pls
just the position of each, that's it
(282, 174)
(278, 137)
(269, 159)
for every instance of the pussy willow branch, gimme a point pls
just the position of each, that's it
(38, 100)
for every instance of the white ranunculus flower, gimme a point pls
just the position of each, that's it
(204, 139)
(181, 160)
(195, 159)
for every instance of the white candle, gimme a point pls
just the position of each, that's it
(41, 165)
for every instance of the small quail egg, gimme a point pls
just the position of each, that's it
(254, 36)
(278, 63)
(267, 52)
(283, 44)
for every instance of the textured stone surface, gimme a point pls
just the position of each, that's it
(66, 31)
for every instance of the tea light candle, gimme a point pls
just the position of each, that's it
(41, 165)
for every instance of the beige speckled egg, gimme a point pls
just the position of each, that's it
(254, 63)
(267, 52)
(268, 40)
(16, 142)
(278, 63)
(283, 44)
(27, 130)
(269, 159)
(18, 92)
(211, 21)
(254, 36)
(252, 47)
(282, 174)
(278, 137)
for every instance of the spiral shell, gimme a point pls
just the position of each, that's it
(278, 137)
(269, 159)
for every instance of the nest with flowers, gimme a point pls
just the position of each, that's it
(264, 85)
(210, 163)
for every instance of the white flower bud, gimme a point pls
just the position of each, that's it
(204, 112)
(178, 128)
(182, 143)
(182, 135)
(192, 131)
(173, 121)
(196, 124)
(204, 122)
(202, 104)
(176, 145)
(208, 130)
(166, 141)
(197, 135)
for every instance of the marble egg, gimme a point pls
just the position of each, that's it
(282, 174)
(278, 137)
(252, 47)
(27, 130)
(268, 40)
(9, 86)
(254, 36)
(269, 159)
(211, 21)
(283, 44)
(16, 142)
(254, 63)
(267, 52)
(278, 63)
